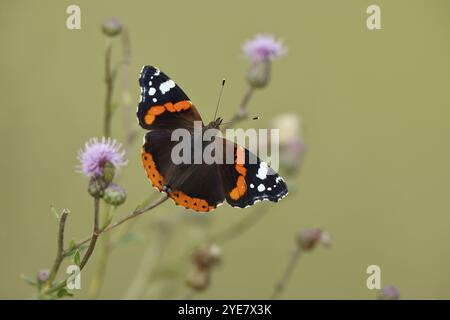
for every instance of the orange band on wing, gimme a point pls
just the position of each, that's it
(155, 111)
(188, 202)
(152, 173)
(241, 185)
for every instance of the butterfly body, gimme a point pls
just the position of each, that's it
(202, 187)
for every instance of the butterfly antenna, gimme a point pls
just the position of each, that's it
(253, 118)
(218, 100)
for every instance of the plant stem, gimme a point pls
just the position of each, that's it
(241, 113)
(109, 81)
(60, 249)
(132, 215)
(99, 276)
(102, 257)
(241, 226)
(295, 256)
(95, 233)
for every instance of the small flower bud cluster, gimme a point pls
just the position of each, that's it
(204, 260)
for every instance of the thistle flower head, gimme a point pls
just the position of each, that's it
(97, 154)
(389, 293)
(263, 47)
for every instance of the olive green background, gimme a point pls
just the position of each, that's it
(375, 107)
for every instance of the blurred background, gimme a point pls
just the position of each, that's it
(374, 108)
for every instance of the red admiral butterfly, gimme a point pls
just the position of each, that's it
(163, 108)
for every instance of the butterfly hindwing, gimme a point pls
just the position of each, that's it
(250, 180)
(163, 105)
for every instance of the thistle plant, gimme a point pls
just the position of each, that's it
(102, 159)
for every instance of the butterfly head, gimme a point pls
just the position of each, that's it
(215, 124)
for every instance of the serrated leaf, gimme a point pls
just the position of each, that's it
(77, 257)
(53, 210)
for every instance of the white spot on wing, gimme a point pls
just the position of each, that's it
(166, 86)
(252, 185)
(151, 91)
(154, 100)
(261, 188)
(262, 171)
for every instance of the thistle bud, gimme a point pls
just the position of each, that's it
(307, 239)
(108, 172)
(114, 195)
(96, 187)
(198, 279)
(258, 75)
(111, 27)
(42, 275)
(207, 256)
(389, 293)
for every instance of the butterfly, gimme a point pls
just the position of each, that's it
(164, 107)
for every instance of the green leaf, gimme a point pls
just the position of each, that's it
(71, 244)
(64, 293)
(52, 209)
(76, 257)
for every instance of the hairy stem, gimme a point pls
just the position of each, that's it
(95, 233)
(135, 213)
(109, 81)
(60, 248)
(241, 113)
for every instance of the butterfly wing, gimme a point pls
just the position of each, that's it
(250, 180)
(163, 103)
(193, 186)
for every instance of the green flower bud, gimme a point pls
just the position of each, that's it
(115, 195)
(97, 187)
(111, 27)
(258, 75)
(108, 172)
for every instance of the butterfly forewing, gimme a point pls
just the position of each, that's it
(163, 103)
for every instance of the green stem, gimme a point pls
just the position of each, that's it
(60, 248)
(95, 233)
(109, 81)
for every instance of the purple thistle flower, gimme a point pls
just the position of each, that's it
(97, 153)
(263, 47)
